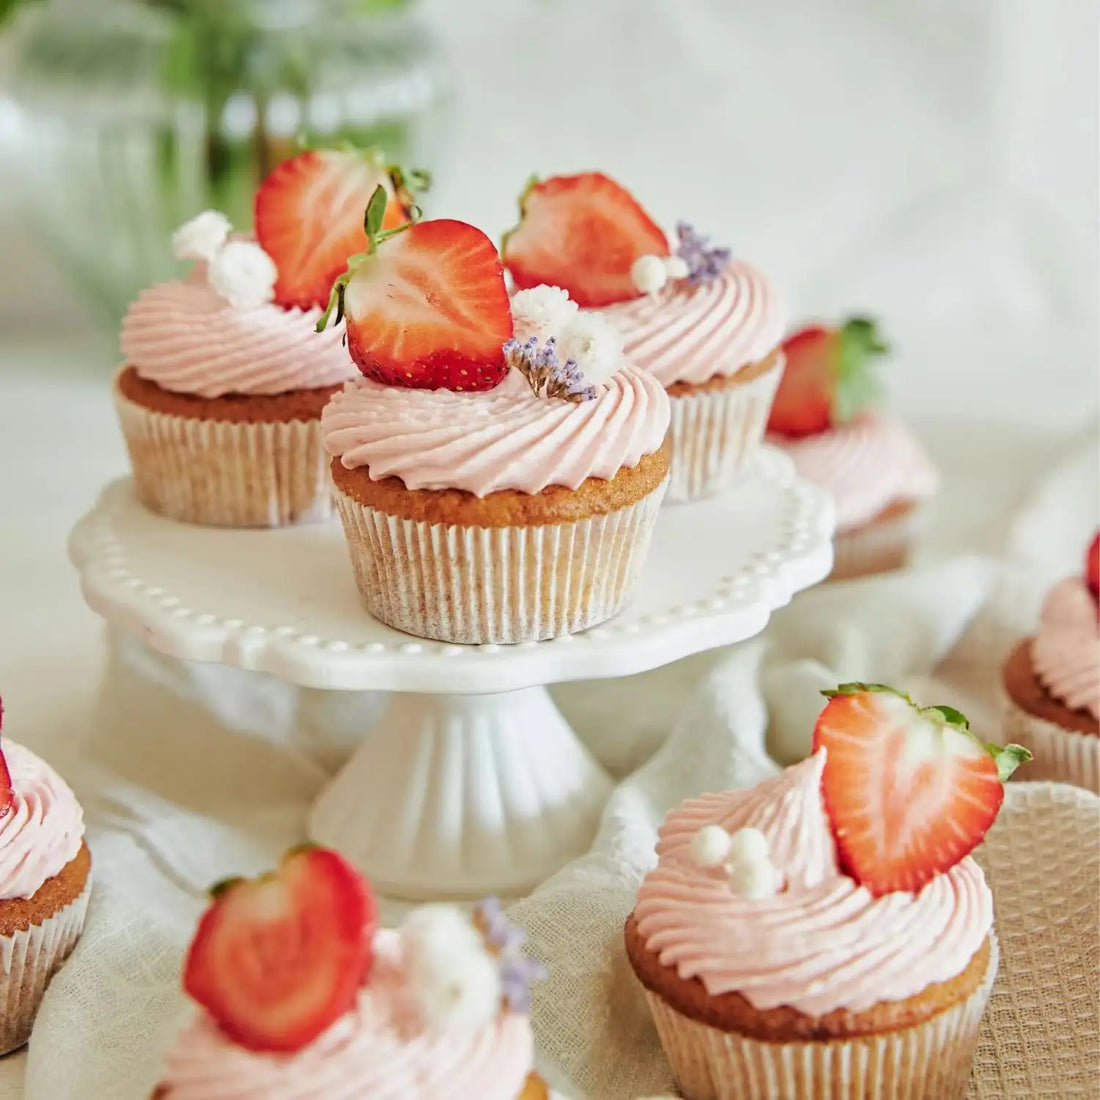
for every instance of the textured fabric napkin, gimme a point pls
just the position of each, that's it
(170, 814)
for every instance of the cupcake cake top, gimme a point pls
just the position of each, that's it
(1066, 649)
(466, 389)
(686, 315)
(845, 880)
(41, 822)
(244, 320)
(824, 417)
(303, 998)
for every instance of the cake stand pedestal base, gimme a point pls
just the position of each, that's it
(464, 795)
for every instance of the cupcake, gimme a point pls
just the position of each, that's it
(705, 325)
(45, 882)
(826, 933)
(1052, 682)
(225, 377)
(500, 465)
(878, 475)
(300, 995)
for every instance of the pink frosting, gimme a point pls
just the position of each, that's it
(821, 943)
(504, 438)
(379, 1051)
(866, 465)
(689, 334)
(43, 829)
(1066, 650)
(185, 338)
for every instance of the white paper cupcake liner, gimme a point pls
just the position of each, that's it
(226, 473)
(929, 1061)
(713, 432)
(1062, 755)
(478, 585)
(28, 960)
(878, 547)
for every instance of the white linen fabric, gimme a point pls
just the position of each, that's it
(170, 813)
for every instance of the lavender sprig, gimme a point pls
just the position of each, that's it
(704, 263)
(517, 975)
(545, 373)
(505, 940)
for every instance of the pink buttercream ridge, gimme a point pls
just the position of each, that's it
(823, 942)
(378, 1050)
(504, 438)
(43, 829)
(185, 338)
(866, 465)
(691, 334)
(1066, 651)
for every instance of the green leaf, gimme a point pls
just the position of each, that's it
(1008, 759)
(225, 885)
(532, 182)
(376, 213)
(857, 387)
(951, 716)
(859, 689)
(335, 302)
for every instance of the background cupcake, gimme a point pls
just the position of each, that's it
(45, 883)
(225, 375)
(825, 934)
(1052, 682)
(877, 473)
(436, 1008)
(493, 489)
(705, 325)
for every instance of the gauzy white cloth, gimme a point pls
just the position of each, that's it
(170, 813)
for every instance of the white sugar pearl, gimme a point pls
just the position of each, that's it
(710, 846)
(754, 880)
(749, 846)
(676, 267)
(648, 274)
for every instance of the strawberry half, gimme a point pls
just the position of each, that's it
(582, 233)
(425, 307)
(309, 217)
(909, 790)
(276, 960)
(1092, 566)
(827, 378)
(7, 791)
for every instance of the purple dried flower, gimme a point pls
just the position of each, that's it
(517, 975)
(544, 372)
(704, 263)
(505, 941)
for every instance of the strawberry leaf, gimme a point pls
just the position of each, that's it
(856, 385)
(950, 715)
(375, 214)
(1008, 758)
(859, 689)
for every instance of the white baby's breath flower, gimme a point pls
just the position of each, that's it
(595, 344)
(201, 237)
(243, 274)
(542, 311)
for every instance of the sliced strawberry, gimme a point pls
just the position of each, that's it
(7, 791)
(582, 233)
(1092, 566)
(309, 218)
(909, 790)
(276, 960)
(426, 307)
(827, 378)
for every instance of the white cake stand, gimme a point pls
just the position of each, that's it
(472, 781)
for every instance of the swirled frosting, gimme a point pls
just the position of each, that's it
(378, 1050)
(185, 338)
(690, 334)
(866, 465)
(821, 943)
(42, 830)
(504, 438)
(1066, 651)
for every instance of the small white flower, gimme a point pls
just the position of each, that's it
(754, 879)
(676, 267)
(243, 274)
(201, 237)
(648, 273)
(595, 344)
(542, 311)
(710, 847)
(749, 846)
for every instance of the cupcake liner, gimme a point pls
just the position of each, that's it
(928, 1061)
(477, 585)
(226, 473)
(713, 432)
(28, 960)
(878, 547)
(1062, 755)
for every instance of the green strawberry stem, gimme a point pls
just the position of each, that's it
(856, 384)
